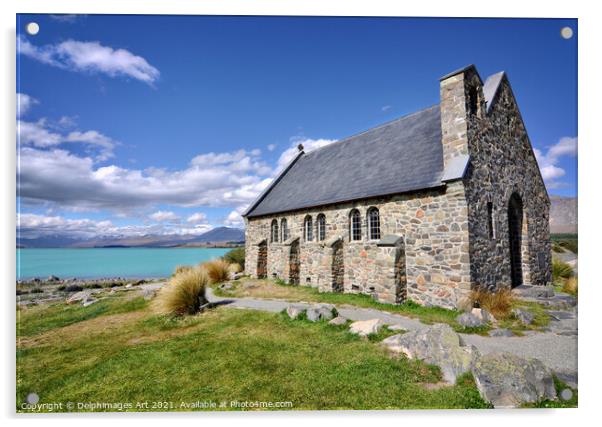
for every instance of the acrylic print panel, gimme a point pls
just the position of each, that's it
(174, 169)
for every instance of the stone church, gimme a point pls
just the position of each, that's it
(425, 207)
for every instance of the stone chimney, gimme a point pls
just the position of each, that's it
(462, 104)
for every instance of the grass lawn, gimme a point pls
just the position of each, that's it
(270, 289)
(117, 350)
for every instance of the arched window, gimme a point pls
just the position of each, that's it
(308, 230)
(284, 228)
(274, 234)
(321, 227)
(355, 225)
(374, 224)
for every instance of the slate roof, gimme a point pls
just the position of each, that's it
(400, 156)
(397, 157)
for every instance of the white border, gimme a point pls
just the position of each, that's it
(590, 137)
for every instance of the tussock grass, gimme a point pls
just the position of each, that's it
(184, 295)
(570, 286)
(561, 270)
(181, 269)
(217, 270)
(234, 268)
(498, 303)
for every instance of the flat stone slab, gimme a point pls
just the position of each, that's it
(508, 381)
(366, 327)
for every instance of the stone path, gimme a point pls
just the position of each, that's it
(558, 352)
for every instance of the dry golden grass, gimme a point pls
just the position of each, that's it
(182, 268)
(498, 303)
(185, 293)
(234, 268)
(217, 270)
(571, 286)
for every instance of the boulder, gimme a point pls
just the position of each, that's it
(78, 297)
(129, 285)
(436, 345)
(320, 312)
(469, 320)
(366, 327)
(339, 320)
(89, 301)
(53, 278)
(295, 310)
(501, 333)
(482, 314)
(523, 316)
(508, 381)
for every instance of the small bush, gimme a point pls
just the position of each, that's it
(234, 268)
(217, 270)
(498, 303)
(36, 291)
(236, 256)
(180, 269)
(570, 286)
(93, 286)
(22, 292)
(184, 295)
(561, 270)
(74, 288)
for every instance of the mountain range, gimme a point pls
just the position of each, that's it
(216, 236)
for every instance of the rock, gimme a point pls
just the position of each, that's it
(366, 327)
(535, 291)
(89, 301)
(78, 297)
(501, 333)
(147, 294)
(339, 320)
(523, 316)
(437, 345)
(507, 381)
(469, 320)
(53, 279)
(484, 315)
(128, 286)
(295, 310)
(320, 312)
(396, 328)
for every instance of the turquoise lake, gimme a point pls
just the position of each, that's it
(109, 262)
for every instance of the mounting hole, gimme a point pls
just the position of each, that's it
(32, 28)
(566, 33)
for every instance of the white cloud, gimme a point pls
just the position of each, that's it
(39, 134)
(308, 145)
(68, 18)
(197, 218)
(74, 182)
(271, 147)
(234, 218)
(164, 216)
(91, 57)
(32, 226)
(548, 162)
(385, 108)
(24, 103)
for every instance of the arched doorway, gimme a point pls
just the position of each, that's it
(262, 260)
(401, 282)
(338, 267)
(294, 263)
(515, 229)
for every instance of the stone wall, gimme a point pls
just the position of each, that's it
(502, 163)
(432, 224)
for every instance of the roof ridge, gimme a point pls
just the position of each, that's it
(347, 138)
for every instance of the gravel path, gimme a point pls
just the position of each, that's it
(558, 352)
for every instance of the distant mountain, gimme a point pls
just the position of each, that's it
(563, 214)
(215, 236)
(222, 234)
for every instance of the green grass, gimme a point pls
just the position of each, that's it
(35, 320)
(565, 241)
(428, 315)
(220, 355)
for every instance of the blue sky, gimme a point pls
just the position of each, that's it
(173, 124)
